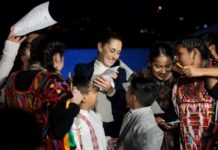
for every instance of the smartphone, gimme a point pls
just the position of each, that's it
(173, 122)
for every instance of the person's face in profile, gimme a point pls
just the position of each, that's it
(213, 51)
(58, 61)
(161, 67)
(91, 96)
(109, 52)
(184, 57)
(129, 98)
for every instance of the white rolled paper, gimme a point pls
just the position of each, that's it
(38, 18)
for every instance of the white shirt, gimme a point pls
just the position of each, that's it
(85, 131)
(103, 106)
(7, 59)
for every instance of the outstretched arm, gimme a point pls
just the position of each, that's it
(211, 74)
(10, 51)
(191, 71)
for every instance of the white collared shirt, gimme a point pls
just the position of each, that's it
(85, 131)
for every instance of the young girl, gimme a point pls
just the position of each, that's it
(195, 105)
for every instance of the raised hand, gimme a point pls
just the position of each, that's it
(15, 39)
(77, 96)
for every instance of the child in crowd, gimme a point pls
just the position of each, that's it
(87, 127)
(194, 103)
(139, 129)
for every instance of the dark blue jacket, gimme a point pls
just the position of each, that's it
(118, 100)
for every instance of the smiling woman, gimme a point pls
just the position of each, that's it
(159, 70)
(111, 103)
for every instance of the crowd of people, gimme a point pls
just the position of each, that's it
(103, 107)
(98, 111)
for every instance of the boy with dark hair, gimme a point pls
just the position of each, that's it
(139, 129)
(87, 127)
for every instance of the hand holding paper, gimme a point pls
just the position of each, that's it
(108, 74)
(104, 81)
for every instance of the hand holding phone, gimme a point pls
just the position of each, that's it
(173, 122)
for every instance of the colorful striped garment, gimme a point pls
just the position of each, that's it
(45, 95)
(195, 108)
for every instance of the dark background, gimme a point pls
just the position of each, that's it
(139, 22)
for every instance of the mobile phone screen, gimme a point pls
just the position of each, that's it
(173, 122)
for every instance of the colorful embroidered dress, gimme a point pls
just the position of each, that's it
(195, 108)
(43, 94)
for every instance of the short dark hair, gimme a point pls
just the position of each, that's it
(82, 84)
(191, 42)
(43, 48)
(144, 90)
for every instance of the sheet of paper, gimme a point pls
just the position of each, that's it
(126, 86)
(128, 70)
(37, 18)
(109, 72)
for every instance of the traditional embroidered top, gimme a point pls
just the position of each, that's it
(195, 111)
(43, 94)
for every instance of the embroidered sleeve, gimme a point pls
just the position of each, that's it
(57, 94)
(55, 90)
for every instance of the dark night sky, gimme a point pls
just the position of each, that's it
(140, 23)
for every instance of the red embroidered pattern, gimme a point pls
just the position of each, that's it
(45, 91)
(195, 111)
